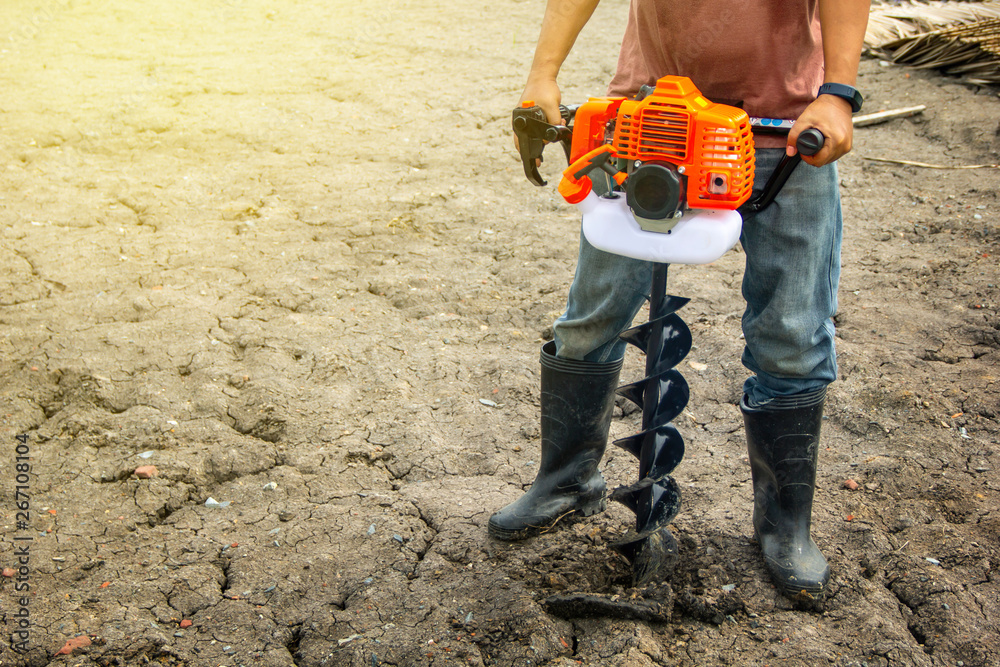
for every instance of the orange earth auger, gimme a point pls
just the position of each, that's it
(657, 178)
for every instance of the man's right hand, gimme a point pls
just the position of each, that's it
(545, 93)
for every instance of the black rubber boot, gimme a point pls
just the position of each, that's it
(783, 443)
(577, 403)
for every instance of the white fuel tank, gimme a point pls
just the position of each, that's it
(699, 237)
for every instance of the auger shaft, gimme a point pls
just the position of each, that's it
(662, 394)
(657, 301)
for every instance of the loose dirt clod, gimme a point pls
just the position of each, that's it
(71, 645)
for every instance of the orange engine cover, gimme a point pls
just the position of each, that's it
(710, 144)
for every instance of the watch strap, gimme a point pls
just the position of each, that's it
(842, 90)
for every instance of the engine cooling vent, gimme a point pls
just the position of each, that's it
(726, 164)
(656, 132)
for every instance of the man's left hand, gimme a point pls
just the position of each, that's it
(830, 115)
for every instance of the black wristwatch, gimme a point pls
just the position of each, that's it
(849, 93)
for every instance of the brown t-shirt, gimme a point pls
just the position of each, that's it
(766, 53)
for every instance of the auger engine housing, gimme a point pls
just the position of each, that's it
(669, 151)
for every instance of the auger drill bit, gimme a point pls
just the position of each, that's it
(650, 547)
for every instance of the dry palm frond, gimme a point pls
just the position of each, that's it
(888, 23)
(961, 38)
(971, 51)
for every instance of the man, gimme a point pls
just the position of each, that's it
(793, 59)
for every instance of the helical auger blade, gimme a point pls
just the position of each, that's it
(675, 339)
(662, 397)
(655, 503)
(659, 450)
(651, 547)
(663, 394)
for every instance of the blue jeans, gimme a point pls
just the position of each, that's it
(790, 285)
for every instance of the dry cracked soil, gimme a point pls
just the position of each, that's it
(280, 258)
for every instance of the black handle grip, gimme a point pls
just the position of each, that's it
(810, 141)
(533, 130)
(529, 128)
